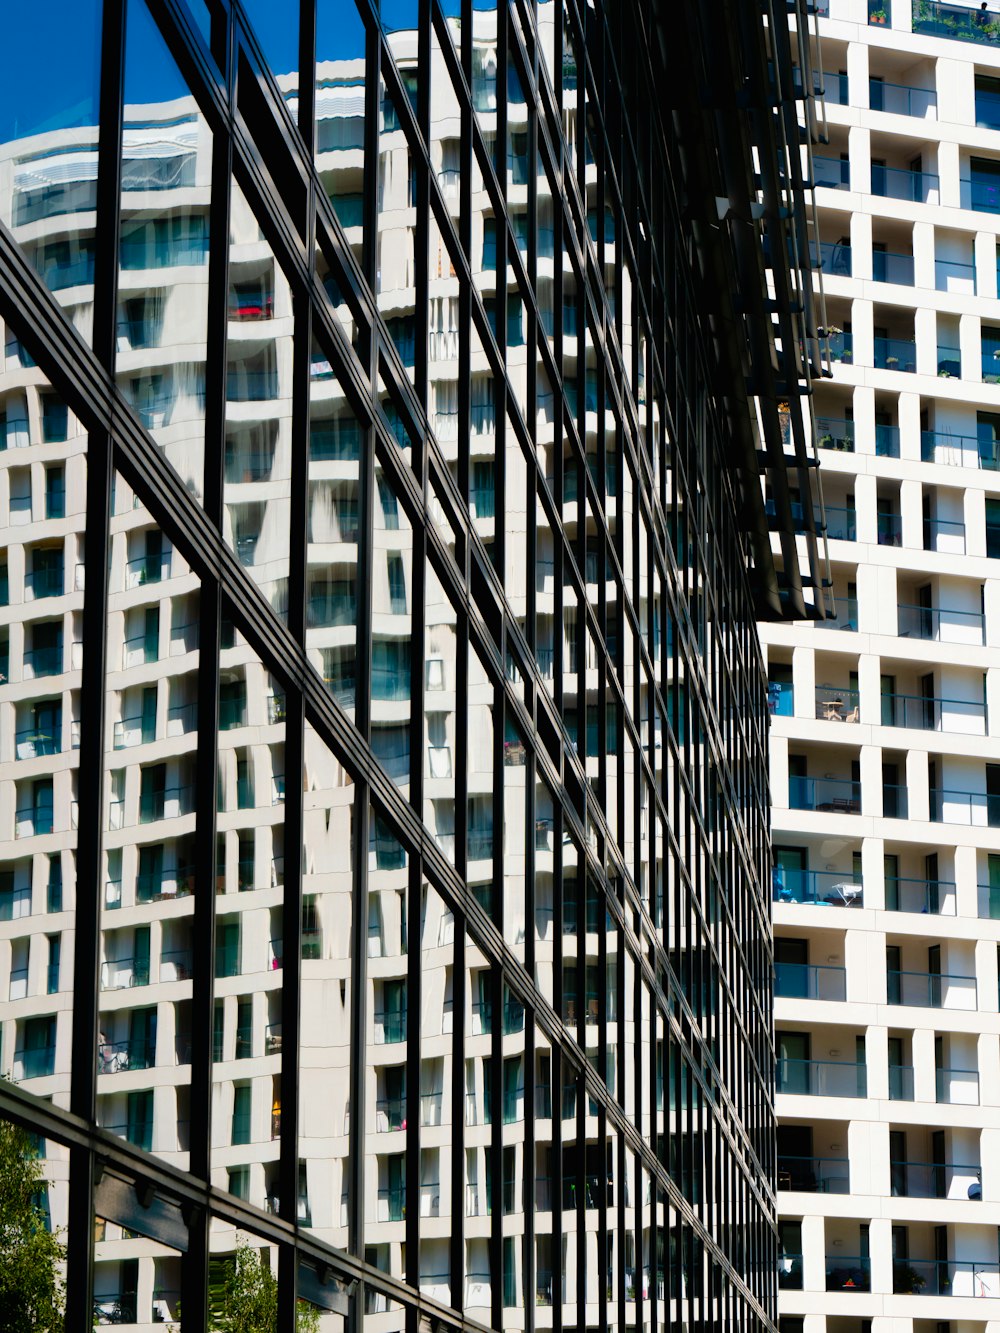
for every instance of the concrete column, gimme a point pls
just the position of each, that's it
(989, 1069)
(871, 780)
(880, 1249)
(868, 688)
(865, 504)
(911, 494)
(859, 147)
(804, 681)
(779, 770)
(925, 332)
(989, 1148)
(864, 338)
(986, 264)
(969, 339)
(975, 522)
(873, 875)
(991, 600)
(986, 976)
(923, 256)
(864, 419)
(857, 71)
(918, 784)
(909, 426)
(948, 170)
(861, 244)
(813, 1254)
(924, 1075)
(966, 882)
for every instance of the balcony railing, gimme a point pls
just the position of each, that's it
(391, 1025)
(790, 1272)
(114, 1057)
(830, 887)
(916, 187)
(930, 897)
(822, 1078)
(945, 1277)
(958, 22)
(841, 523)
(972, 808)
(931, 713)
(814, 1175)
(834, 704)
(780, 698)
(952, 276)
(841, 344)
(895, 801)
(848, 1273)
(886, 441)
(895, 268)
(805, 981)
(888, 529)
(901, 1083)
(38, 1062)
(944, 534)
(833, 173)
(989, 901)
(123, 973)
(834, 795)
(931, 990)
(940, 622)
(835, 433)
(957, 1087)
(949, 450)
(949, 361)
(980, 194)
(901, 99)
(896, 354)
(934, 1180)
(32, 743)
(834, 258)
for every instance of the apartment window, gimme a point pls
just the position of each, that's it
(55, 492)
(55, 420)
(241, 1114)
(54, 885)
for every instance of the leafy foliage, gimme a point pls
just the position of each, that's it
(32, 1291)
(243, 1296)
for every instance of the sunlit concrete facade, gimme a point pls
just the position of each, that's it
(885, 723)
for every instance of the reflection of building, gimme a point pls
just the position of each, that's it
(884, 750)
(383, 769)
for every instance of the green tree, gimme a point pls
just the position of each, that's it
(243, 1297)
(32, 1291)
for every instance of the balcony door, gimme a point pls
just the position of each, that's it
(793, 1061)
(897, 1163)
(893, 968)
(891, 870)
(791, 958)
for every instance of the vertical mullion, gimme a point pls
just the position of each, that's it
(458, 1206)
(414, 1024)
(90, 840)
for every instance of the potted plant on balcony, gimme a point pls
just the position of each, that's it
(906, 1281)
(877, 16)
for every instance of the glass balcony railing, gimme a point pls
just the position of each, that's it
(957, 1087)
(931, 990)
(822, 1078)
(38, 1062)
(804, 981)
(934, 1180)
(32, 742)
(948, 450)
(46, 582)
(167, 804)
(896, 354)
(929, 897)
(888, 267)
(790, 1272)
(895, 801)
(989, 901)
(832, 173)
(901, 99)
(949, 362)
(829, 888)
(44, 661)
(887, 441)
(124, 973)
(848, 1273)
(901, 1083)
(972, 808)
(834, 259)
(945, 1277)
(114, 1057)
(939, 622)
(841, 344)
(841, 523)
(393, 1026)
(780, 698)
(915, 187)
(130, 731)
(390, 1114)
(931, 713)
(980, 193)
(958, 22)
(834, 795)
(951, 276)
(836, 704)
(814, 1175)
(835, 433)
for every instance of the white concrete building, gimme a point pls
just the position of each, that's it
(885, 760)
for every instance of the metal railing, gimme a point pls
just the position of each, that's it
(901, 99)
(930, 897)
(901, 1083)
(940, 622)
(832, 173)
(895, 268)
(841, 523)
(944, 534)
(934, 1180)
(835, 433)
(836, 795)
(956, 1087)
(814, 1175)
(826, 887)
(790, 1272)
(949, 361)
(917, 187)
(886, 441)
(948, 450)
(822, 1078)
(834, 704)
(980, 193)
(933, 713)
(848, 1272)
(114, 1057)
(945, 1277)
(895, 801)
(972, 808)
(895, 354)
(834, 258)
(32, 743)
(958, 22)
(806, 981)
(931, 990)
(949, 271)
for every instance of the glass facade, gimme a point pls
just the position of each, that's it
(384, 855)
